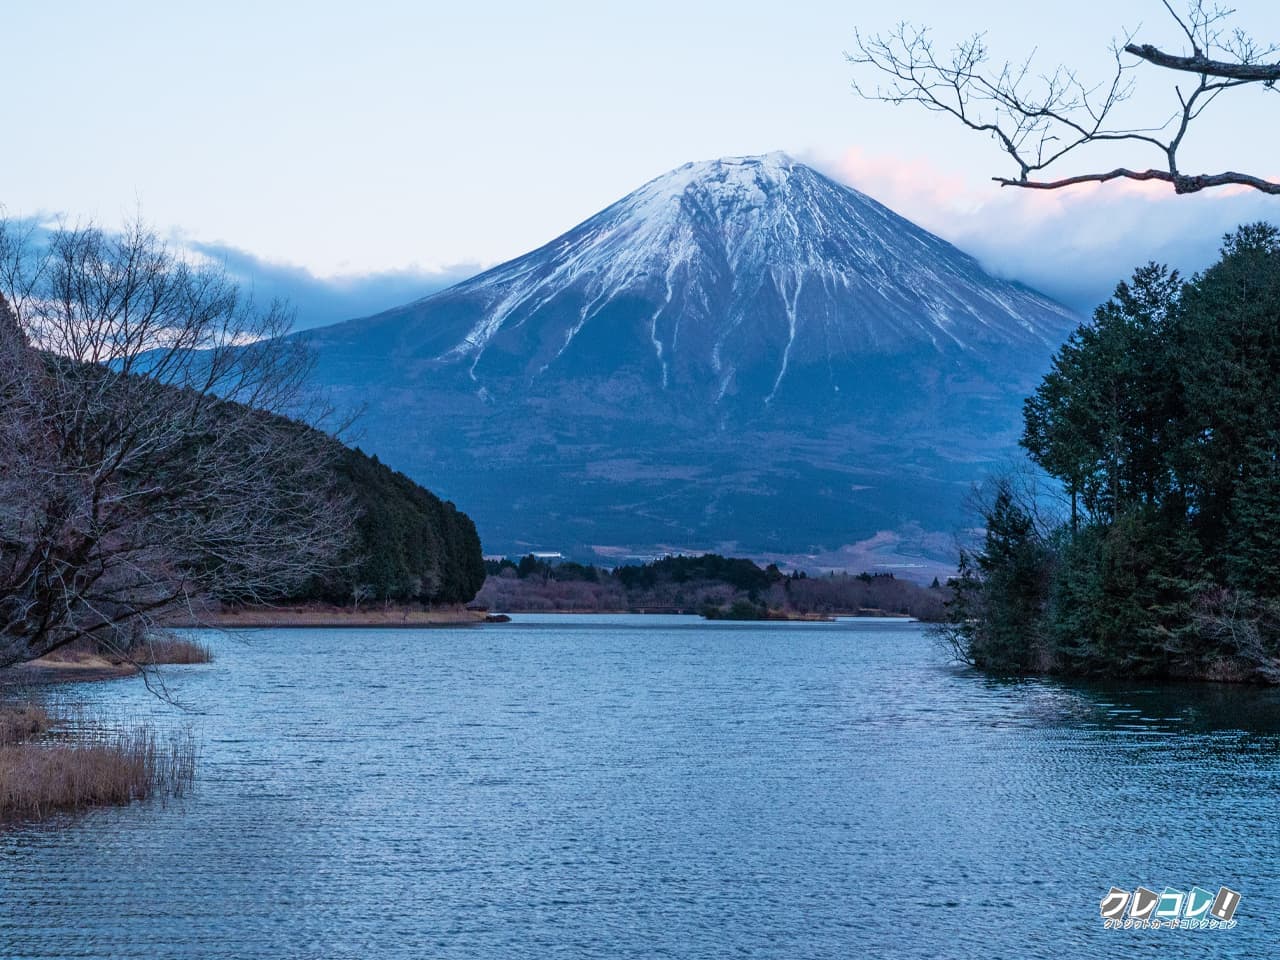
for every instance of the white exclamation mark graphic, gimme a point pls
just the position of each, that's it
(1224, 906)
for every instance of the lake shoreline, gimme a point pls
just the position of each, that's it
(313, 616)
(775, 616)
(317, 616)
(46, 672)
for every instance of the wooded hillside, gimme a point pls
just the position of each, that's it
(408, 545)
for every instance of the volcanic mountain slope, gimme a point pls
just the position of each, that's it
(741, 354)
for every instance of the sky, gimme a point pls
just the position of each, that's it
(355, 156)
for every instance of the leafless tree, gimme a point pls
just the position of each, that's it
(1040, 119)
(146, 462)
(1243, 627)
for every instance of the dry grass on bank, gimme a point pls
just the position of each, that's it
(170, 649)
(314, 615)
(40, 777)
(84, 657)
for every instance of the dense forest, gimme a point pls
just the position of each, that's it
(409, 546)
(709, 584)
(1160, 420)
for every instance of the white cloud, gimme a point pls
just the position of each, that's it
(1073, 244)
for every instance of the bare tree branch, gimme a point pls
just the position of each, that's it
(1265, 72)
(1181, 184)
(1038, 120)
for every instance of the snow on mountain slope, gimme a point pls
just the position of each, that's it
(754, 265)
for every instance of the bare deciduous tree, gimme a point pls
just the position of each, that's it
(1038, 120)
(146, 464)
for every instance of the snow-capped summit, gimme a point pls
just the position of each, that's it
(732, 336)
(725, 276)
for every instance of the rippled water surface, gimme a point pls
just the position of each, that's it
(656, 787)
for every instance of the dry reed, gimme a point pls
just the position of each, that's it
(170, 649)
(38, 778)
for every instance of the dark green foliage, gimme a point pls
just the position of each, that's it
(1231, 375)
(411, 545)
(1123, 597)
(570, 572)
(1253, 548)
(738, 610)
(1012, 567)
(564, 571)
(1160, 420)
(739, 573)
(997, 600)
(1099, 420)
(531, 566)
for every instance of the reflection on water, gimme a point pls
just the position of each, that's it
(1186, 708)
(640, 787)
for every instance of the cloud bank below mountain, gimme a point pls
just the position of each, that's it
(319, 300)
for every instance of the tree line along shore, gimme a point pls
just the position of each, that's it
(711, 585)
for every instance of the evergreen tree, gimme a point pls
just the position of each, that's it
(1100, 419)
(1012, 571)
(411, 546)
(1253, 543)
(1230, 371)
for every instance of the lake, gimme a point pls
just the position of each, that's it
(624, 786)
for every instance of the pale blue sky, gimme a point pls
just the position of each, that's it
(380, 142)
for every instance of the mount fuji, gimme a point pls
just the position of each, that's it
(741, 355)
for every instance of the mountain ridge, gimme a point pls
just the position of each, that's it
(725, 305)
